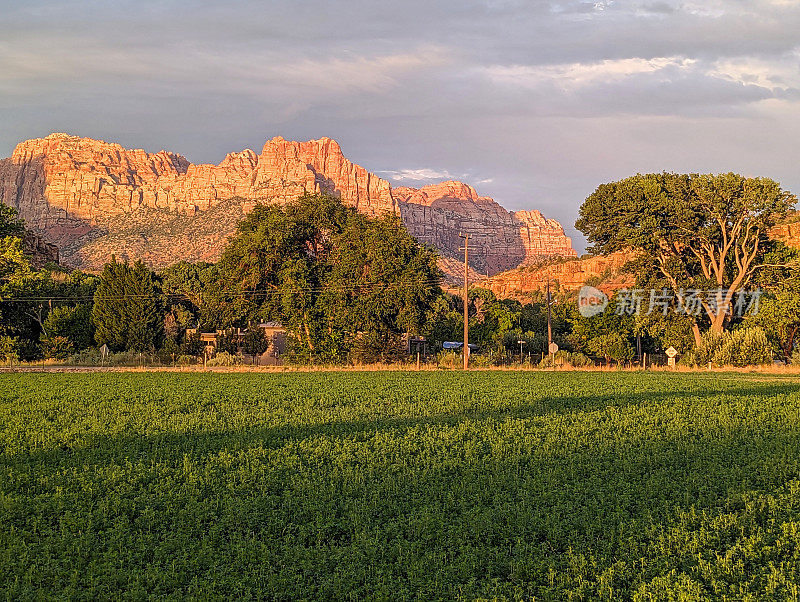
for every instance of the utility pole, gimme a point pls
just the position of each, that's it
(549, 325)
(466, 300)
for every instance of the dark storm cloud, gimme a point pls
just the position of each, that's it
(534, 103)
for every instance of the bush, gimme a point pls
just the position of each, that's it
(223, 358)
(87, 357)
(611, 346)
(129, 358)
(449, 359)
(743, 347)
(192, 345)
(9, 349)
(187, 360)
(227, 342)
(565, 358)
(480, 361)
(57, 347)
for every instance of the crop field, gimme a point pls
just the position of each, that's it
(400, 486)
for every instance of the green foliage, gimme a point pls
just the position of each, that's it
(58, 347)
(71, 323)
(9, 348)
(370, 348)
(10, 224)
(222, 358)
(127, 311)
(566, 358)
(400, 486)
(227, 341)
(742, 347)
(254, 341)
(691, 231)
(779, 316)
(611, 346)
(328, 274)
(192, 345)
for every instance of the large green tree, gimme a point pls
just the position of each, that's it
(127, 311)
(694, 231)
(329, 274)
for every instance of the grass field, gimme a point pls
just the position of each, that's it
(392, 485)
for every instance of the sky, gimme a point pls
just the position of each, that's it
(532, 103)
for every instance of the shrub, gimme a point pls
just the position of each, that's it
(187, 360)
(192, 345)
(565, 358)
(223, 358)
(87, 357)
(743, 347)
(227, 342)
(449, 359)
(9, 349)
(611, 346)
(480, 361)
(57, 347)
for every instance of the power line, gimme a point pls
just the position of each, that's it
(243, 293)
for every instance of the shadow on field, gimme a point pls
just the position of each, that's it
(367, 508)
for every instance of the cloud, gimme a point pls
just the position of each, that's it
(417, 174)
(575, 75)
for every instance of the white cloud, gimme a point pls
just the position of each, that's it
(577, 75)
(776, 74)
(418, 174)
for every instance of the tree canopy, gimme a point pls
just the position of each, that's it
(692, 231)
(127, 308)
(330, 274)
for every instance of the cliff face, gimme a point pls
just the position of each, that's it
(500, 240)
(567, 275)
(92, 198)
(788, 232)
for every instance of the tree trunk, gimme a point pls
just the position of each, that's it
(698, 340)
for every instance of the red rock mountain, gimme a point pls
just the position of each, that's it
(567, 274)
(92, 199)
(500, 240)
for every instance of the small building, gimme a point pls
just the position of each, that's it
(274, 332)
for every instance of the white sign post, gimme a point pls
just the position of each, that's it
(671, 353)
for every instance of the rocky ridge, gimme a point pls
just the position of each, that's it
(567, 275)
(500, 240)
(92, 198)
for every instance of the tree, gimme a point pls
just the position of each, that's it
(328, 273)
(612, 346)
(10, 224)
(127, 310)
(693, 231)
(255, 341)
(73, 323)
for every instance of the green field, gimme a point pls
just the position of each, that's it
(392, 485)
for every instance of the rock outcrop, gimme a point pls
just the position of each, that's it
(93, 198)
(38, 250)
(788, 232)
(568, 275)
(500, 240)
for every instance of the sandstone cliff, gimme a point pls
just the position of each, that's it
(93, 198)
(499, 239)
(568, 275)
(788, 232)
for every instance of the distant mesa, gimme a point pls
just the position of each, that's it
(92, 198)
